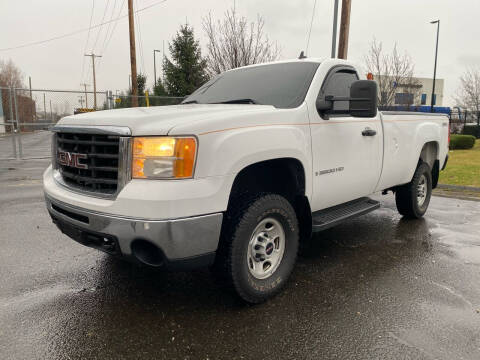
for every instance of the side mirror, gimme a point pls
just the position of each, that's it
(364, 99)
(323, 105)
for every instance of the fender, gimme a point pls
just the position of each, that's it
(424, 133)
(225, 147)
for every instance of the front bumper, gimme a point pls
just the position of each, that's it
(176, 243)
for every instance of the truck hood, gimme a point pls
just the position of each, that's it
(160, 120)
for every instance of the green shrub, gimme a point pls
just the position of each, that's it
(458, 142)
(473, 130)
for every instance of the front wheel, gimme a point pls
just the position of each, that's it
(259, 246)
(412, 199)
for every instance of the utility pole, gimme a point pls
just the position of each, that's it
(86, 97)
(80, 100)
(433, 102)
(133, 56)
(344, 29)
(335, 27)
(44, 107)
(34, 111)
(155, 66)
(94, 80)
(163, 61)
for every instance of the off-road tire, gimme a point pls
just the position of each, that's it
(231, 263)
(406, 195)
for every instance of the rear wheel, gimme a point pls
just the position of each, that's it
(412, 199)
(259, 246)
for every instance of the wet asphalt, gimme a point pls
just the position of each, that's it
(376, 287)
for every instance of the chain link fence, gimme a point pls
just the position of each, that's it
(27, 114)
(125, 101)
(8, 133)
(461, 120)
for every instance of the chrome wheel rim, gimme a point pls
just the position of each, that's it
(422, 191)
(266, 248)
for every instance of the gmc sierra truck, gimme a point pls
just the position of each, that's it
(241, 172)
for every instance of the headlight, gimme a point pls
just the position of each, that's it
(163, 157)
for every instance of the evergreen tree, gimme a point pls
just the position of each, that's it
(159, 89)
(141, 83)
(187, 70)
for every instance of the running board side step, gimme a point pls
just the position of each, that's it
(326, 218)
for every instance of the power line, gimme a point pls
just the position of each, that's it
(79, 31)
(113, 28)
(100, 29)
(107, 32)
(109, 25)
(311, 24)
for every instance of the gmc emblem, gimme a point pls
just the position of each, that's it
(71, 159)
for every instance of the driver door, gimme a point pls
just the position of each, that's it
(346, 162)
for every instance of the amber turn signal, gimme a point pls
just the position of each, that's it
(163, 157)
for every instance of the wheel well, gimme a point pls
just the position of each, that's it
(429, 155)
(285, 177)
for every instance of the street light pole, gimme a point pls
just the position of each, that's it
(433, 102)
(155, 66)
(335, 27)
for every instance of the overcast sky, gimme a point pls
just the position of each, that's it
(58, 64)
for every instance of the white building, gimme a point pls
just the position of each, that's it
(417, 91)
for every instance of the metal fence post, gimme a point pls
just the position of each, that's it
(14, 134)
(20, 150)
(108, 95)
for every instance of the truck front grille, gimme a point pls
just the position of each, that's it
(89, 162)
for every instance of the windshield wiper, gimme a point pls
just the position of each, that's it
(189, 102)
(239, 101)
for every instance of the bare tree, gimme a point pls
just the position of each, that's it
(468, 94)
(10, 75)
(394, 74)
(235, 42)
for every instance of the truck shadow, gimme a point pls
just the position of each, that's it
(332, 278)
(369, 245)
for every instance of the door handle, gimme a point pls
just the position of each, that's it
(369, 132)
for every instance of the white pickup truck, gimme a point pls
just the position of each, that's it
(242, 171)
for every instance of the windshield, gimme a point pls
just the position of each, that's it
(283, 85)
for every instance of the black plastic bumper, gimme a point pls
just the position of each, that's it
(109, 244)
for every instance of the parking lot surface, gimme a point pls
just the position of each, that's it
(377, 287)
